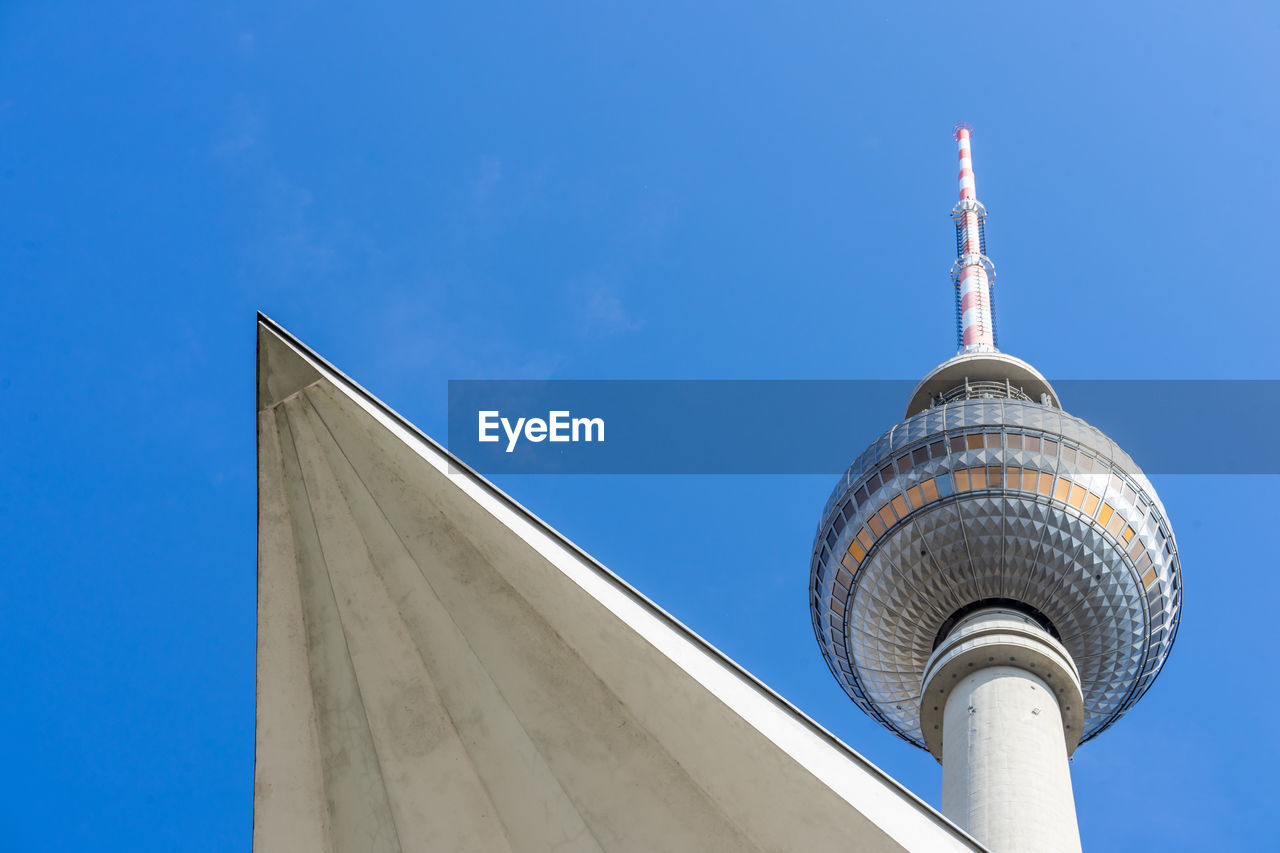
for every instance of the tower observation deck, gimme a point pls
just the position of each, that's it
(994, 580)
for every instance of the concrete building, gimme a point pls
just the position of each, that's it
(438, 669)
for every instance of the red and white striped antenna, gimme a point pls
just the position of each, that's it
(973, 271)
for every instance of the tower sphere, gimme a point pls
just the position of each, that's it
(988, 498)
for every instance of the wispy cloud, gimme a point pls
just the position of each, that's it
(421, 333)
(243, 131)
(289, 238)
(490, 175)
(599, 309)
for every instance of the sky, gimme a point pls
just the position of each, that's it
(425, 192)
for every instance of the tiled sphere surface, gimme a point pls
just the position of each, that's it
(993, 499)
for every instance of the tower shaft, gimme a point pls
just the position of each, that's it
(1004, 743)
(1005, 778)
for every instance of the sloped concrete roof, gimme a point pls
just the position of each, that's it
(440, 670)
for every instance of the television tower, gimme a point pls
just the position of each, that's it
(995, 580)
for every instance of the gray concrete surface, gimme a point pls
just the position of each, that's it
(440, 670)
(1011, 713)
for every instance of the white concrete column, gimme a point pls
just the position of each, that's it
(1002, 711)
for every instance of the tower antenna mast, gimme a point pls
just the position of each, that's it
(973, 271)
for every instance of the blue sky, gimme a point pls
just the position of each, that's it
(564, 190)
